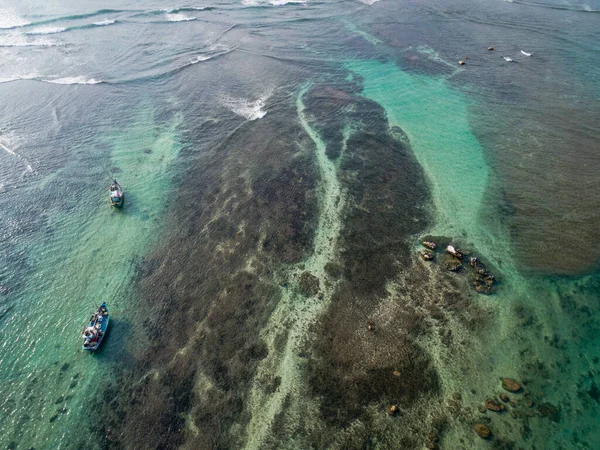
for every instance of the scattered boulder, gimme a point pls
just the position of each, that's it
(427, 256)
(461, 62)
(481, 409)
(370, 326)
(493, 405)
(454, 252)
(429, 244)
(309, 284)
(482, 431)
(510, 385)
(504, 398)
(393, 410)
(490, 49)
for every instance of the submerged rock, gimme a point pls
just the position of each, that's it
(511, 385)
(309, 284)
(453, 266)
(482, 431)
(493, 405)
(549, 411)
(504, 398)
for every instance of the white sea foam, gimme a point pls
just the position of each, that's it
(179, 17)
(31, 76)
(199, 58)
(10, 19)
(186, 8)
(105, 22)
(46, 30)
(19, 41)
(525, 53)
(74, 80)
(369, 2)
(272, 2)
(248, 109)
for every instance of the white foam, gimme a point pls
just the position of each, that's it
(249, 109)
(369, 2)
(105, 22)
(285, 2)
(9, 19)
(46, 30)
(20, 41)
(272, 2)
(525, 53)
(506, 58)
(31, 76)
(199, 58)
(74, 80)
(178, 17)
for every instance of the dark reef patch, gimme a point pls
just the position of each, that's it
(245, 208)
(355, 362)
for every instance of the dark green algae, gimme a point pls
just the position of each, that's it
(254, 198)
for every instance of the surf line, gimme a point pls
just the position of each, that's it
(295, 310)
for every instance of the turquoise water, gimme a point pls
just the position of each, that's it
(264, 146)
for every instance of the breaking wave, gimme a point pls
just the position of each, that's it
(179, 17)
(248, 109)
(74, 80)
(105, 22)
(46, 30)
(188, 9)
(272, 2)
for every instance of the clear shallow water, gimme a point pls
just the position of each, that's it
(253, 143)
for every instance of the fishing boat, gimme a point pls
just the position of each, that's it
(117, 196)
(94, 332)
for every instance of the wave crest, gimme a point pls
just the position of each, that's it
(248, 109)
(105, 22)
(46, 30)
(74, 80)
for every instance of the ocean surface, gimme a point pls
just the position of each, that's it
(282, 162)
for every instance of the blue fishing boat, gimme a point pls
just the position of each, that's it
(94, 332)
(117, 196)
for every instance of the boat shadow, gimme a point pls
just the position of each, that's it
(114, 345)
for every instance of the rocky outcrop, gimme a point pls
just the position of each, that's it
(429, 244)
(493, 405)
(427, 256)
(482, 431)
(510, 385)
